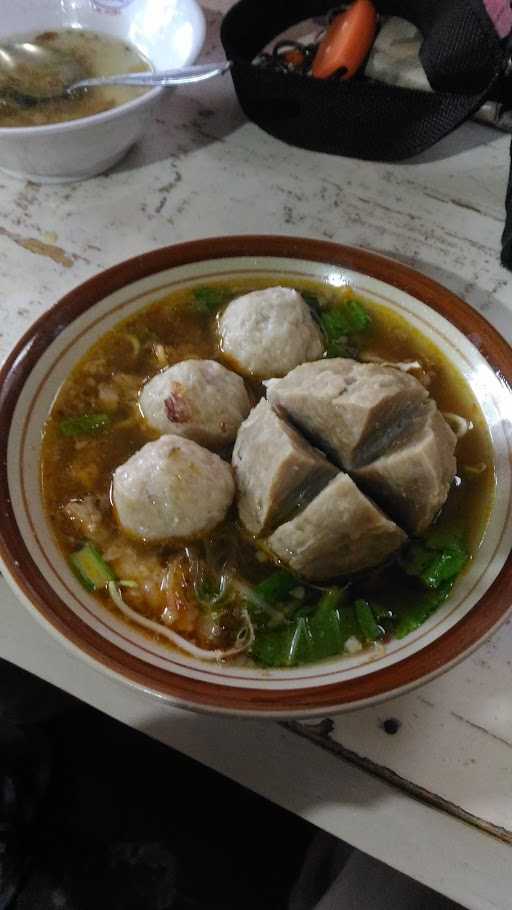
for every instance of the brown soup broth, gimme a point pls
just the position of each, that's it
(175, 328)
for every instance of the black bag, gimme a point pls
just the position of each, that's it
(465, 60)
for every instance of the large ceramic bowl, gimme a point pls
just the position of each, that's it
(169, 33)
(44, 583)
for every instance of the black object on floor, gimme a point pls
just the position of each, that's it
(129, 824)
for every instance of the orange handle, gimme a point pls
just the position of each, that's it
(347, 41)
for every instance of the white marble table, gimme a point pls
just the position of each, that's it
(434, 799)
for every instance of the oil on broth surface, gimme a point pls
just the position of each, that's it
(177, 327)
(94, 54)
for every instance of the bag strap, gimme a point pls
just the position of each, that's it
(506, 237)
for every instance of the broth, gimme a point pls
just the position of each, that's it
(177, 327)
(94, 54)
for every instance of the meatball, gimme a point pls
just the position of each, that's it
(199, 399)
(268, 333)
(340, 532)
(411, 480)
(172, 490)
(352, 410)
(275, 469)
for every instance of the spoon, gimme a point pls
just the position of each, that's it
(182, 75)
(32, 74)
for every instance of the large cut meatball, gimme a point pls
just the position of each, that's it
(199, 399)
(172, 490)
(268, 333)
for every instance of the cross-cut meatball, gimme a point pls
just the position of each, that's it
(412, 479)
(351, 410)
(267, 333)
(340, 532)
(275, 469)
(199, 399)
(172, 490)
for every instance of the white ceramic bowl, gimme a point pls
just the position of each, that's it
(169, 33)
(40, 575)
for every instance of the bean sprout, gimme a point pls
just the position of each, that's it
(244, 639)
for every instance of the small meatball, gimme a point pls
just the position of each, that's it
(269, 332)
(172, 490)
(199, 399)
(275, 469)
(352, 410)
(340, 532)
(412, 479)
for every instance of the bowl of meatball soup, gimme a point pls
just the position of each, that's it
(258, 475)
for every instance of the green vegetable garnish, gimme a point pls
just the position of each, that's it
(327, 637)
(312, 635)
(348, 624)
(276, 587)
(284, 647)
(86, 425)
(210, 299)
(413, 616)
(444, 567)
(368, 625)
(342, 321)
(437, 559)
(90, 568)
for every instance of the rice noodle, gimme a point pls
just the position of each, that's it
(459, 425)
(245, 637)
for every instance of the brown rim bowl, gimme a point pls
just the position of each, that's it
(35, 369)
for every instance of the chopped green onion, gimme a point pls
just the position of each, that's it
(445, 566)
(348, 624)
(281, 647)
(90, 568)
(414, 615)
(86, 425)
(437, 559)
(347, 318)
(210, 299)
(276, 587)
(340, 322)
(368, 625)
(356, 317)
(312, 635)
(325, 626)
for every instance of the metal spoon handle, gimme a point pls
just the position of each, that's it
(180, 76)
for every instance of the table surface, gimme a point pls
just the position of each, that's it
(435, 799)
